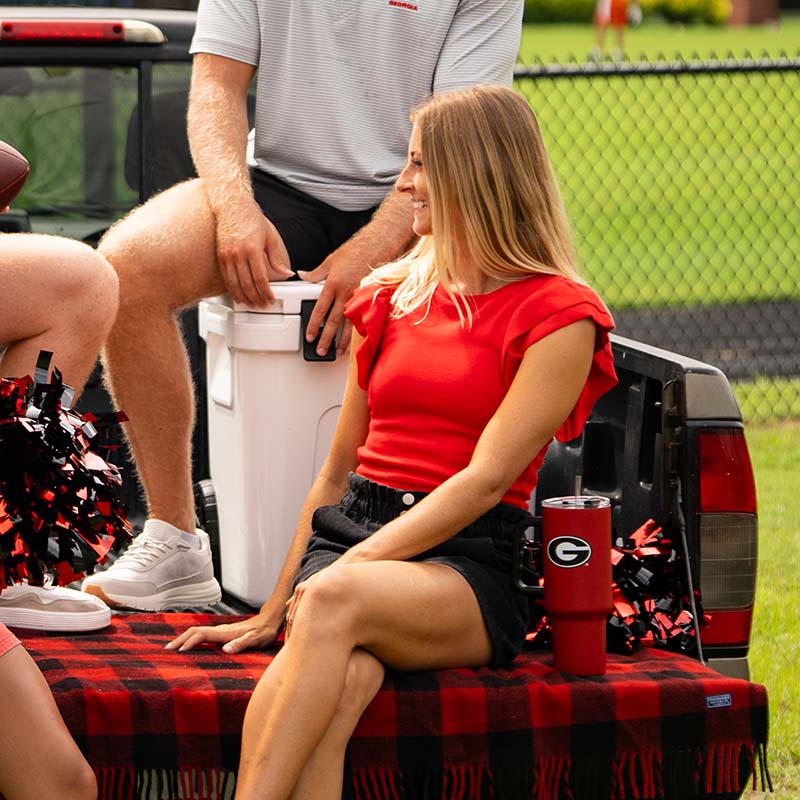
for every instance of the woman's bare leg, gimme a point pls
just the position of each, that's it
(408, 615)
(322, 776)
(58, 295)
(38, 757)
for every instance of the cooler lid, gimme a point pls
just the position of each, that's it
(288, 298)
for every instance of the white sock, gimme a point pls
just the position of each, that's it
(191, 538)
(163, 531)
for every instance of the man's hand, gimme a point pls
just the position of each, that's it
(258, 631)
(383, 238)
(342, 271)
(251, 253)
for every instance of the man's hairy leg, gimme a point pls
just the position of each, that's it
(164, 255)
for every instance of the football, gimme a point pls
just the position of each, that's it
(14, 169)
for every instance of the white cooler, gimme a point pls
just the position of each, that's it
(271, 419)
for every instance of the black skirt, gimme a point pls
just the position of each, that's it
(482, 553)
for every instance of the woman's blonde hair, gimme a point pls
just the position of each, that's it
(491, 191)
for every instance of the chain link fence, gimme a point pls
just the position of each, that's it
(682, 181)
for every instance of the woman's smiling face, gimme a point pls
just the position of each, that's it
(412, 181)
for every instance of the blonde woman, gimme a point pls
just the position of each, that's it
(472, 352)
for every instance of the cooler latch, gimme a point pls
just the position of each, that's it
(310, 348)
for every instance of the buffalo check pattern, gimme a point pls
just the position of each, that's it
(157, 723)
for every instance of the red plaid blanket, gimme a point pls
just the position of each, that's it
(657, 725)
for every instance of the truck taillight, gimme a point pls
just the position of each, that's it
(728, 536)
(726, 477)
(69, 31)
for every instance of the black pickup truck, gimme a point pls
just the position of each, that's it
(96, 100)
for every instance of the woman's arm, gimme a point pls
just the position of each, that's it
(547, 386)
(328, 488)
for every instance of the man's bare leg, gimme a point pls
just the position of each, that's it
(164, 254)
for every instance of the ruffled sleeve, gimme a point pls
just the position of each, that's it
(556, 304)
(368, 310)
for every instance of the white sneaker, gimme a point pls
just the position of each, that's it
(159, 571)
(52, 608)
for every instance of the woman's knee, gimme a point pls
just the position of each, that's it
(67, 776)
(328, 606)
(105, 288)
(77, 782)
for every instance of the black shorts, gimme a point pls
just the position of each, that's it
(482, 553)
(311, 229)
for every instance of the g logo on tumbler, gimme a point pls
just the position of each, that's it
(569, 551)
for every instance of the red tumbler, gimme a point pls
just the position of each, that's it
(576, 538)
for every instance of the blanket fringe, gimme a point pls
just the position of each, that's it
(722, 768)
(763, 768)
(125, 783)
(726, 765)
(548, 774)
(454, 782)
(116, 783)
(637, 775)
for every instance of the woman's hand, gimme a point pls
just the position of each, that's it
(258, 631)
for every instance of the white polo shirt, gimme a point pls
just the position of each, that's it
(337, 79)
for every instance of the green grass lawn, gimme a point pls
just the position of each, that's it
(654, 38)
(682, 189)
(775, 649)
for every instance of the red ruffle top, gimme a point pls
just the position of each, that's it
(433, 385)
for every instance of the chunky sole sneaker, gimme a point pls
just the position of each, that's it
(161, 570)
(52, 608)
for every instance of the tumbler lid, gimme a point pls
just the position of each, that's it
(577, 501)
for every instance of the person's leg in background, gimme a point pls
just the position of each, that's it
(602, 16)
(58, 295)
(38, 756)
(619, 21)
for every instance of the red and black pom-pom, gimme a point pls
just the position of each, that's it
(59, 512)
(650, 597)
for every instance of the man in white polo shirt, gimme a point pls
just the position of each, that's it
(336, 81)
